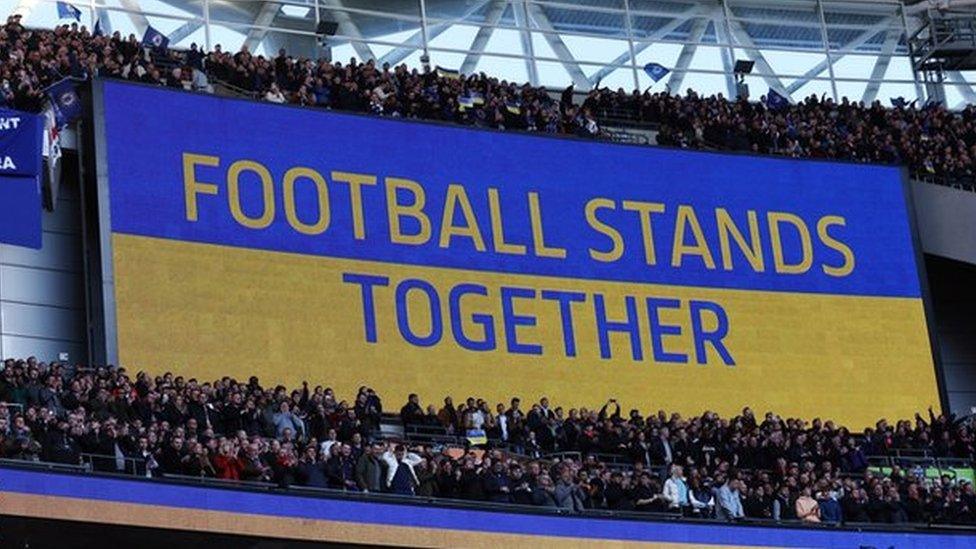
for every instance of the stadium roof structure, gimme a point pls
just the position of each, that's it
(842, 48)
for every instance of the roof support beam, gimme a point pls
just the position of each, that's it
(559, 47)
(521, 12)
(349, 28)
(698, 27)
(728, 64)
(861, 39)
(881, 65)
(134, 12)
(416, 40)
(964, 87)
(640, 46)
(752, 52)
(263, 20)
(184, 30)
(494, 14)
(104, 21)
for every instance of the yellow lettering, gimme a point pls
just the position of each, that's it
(321, 189)
(617, 251)
(457, 197)
(192, 187)
(395, 211)
(356, 182)
(752, 250)
(686, 217)
(497, 231)
(234, 194)
(774, 219)
(834, 244)
(538, 237)
(645, 209)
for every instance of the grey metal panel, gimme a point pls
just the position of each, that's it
(66, 217)
(59, 251)
(20, 319)
(42, 287)
(963, 402)
(946, 221)
(44, 349)
(960, 376)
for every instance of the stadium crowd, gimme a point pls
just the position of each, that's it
(543, 455)
(932, 140)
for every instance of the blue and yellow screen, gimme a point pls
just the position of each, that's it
(348, 250)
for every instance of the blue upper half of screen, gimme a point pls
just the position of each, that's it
(149, 131)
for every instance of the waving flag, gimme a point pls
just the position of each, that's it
(656, 71)
(67, 11)
(64, 98)
(154, 39)
(776, 101)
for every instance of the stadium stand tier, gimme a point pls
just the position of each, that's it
(538, 454)
(933, 141)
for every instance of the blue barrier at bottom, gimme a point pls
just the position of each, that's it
(300, 516)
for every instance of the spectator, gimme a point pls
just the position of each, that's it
(807, 508)
(729, 502)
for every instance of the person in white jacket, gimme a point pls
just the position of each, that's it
(677, 494)
(400, 475)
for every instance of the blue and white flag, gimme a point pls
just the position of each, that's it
(776, 101)
(154, 39)
(656, 71)
(67, 11)
(98, 28)
(64, 98)
(899, 102)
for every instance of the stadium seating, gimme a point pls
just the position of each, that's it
(934, 142)
(744, 467)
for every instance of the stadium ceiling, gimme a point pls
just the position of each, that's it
(853, 48)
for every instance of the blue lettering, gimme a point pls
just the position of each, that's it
(566, 300)
(457, 326)
(714, 337)
(658, 330)
(366, 282)
(512, 321)
(629, 326)
(403, 315)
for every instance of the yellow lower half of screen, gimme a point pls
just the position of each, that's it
(207, 311)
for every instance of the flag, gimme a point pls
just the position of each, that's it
(776, 101)
(67, 11)
(899, 102)
(656, 71)
(477, 98)
(65, 101)
(465, 102)
(98, 28)
(51, 151)
(513, 107)
(154, 39)
(447, 73)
